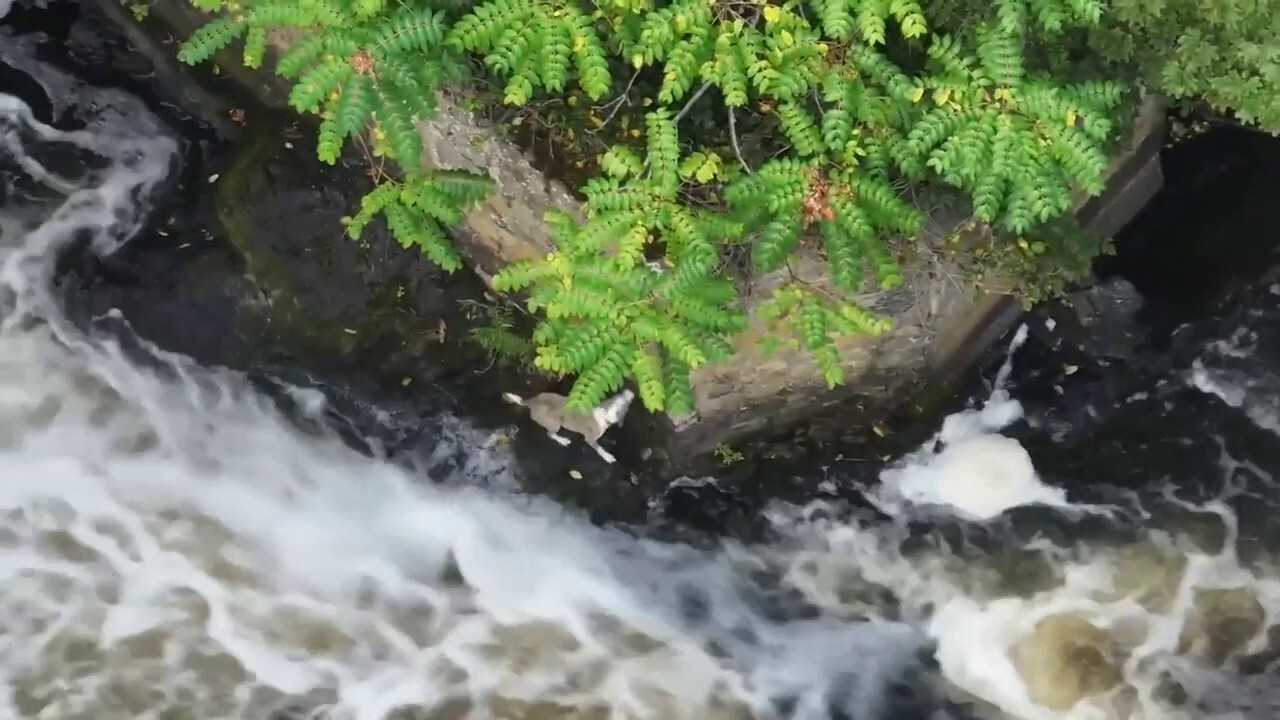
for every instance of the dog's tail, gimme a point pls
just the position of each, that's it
(513, 398)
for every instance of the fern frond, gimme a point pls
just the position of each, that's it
(212, 37)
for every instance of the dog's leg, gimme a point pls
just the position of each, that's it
(604, 454)
(564, 441)
(513, 398)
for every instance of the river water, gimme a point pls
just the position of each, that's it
(173, 547)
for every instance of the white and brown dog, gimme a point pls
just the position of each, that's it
(551, 411)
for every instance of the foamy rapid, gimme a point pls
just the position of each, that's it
(1229, 371)
(968, 468)
(172, 547)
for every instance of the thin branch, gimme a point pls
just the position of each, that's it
(812, 285)
(817, 99)
(623, 99)
(733, 138)
(689, 105)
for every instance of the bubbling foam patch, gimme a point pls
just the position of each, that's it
(981, 477)
(968, 468)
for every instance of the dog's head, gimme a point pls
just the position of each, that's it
(615, 408)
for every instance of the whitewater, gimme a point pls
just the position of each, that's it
(172, 546)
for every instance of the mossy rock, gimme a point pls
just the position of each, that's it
(365, 302)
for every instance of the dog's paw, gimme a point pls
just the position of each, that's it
(564, 441)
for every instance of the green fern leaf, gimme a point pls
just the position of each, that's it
(317, 84)
(212, 37)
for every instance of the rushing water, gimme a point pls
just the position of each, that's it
(172, 547)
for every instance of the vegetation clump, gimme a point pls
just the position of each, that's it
(769, 128)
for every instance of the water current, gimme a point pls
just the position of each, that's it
(173, 547)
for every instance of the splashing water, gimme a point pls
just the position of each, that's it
(172, 547)
(967, 467)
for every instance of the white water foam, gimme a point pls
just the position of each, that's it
(1254, 388)
(978, 473)
(171, 546)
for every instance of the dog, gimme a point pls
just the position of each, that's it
(551, 411)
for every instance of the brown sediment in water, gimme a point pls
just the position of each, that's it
(1067, 658)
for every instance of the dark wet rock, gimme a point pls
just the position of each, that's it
(1107, 316)
(321, 299)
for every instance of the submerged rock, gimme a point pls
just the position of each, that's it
(1107, 317)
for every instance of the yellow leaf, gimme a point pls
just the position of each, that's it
(572, 101)
(823, 49)
(942, 95)
(579, 43)
(637, 60)
(635, 132)
(786, 39)
(1071, 118)
(772, 13)
(709, 169)
(916, 94)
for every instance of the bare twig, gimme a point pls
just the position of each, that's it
(617, 103)
(813, 285)
(689, 105)
(733, 138)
